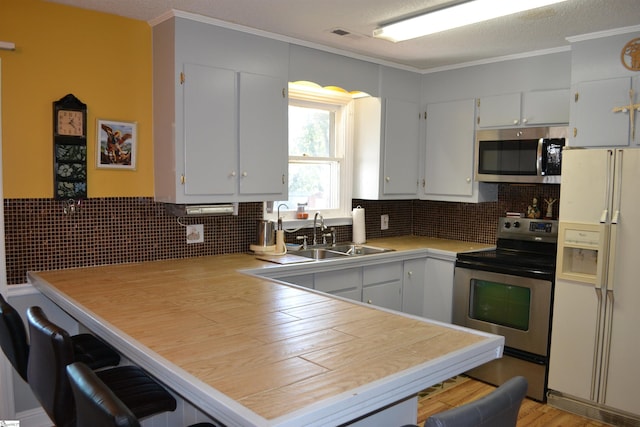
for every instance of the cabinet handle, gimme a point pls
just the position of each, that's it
(283, 180)
(524, 120)
(233, 173)
(182, 179)
(410, 273)
(369, 302)
(515, 122)
(387, 178)
(468, 180)
(244, 174)
(575, 132)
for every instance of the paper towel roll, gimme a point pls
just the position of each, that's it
(359, 233)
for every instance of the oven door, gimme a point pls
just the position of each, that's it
(515, 307)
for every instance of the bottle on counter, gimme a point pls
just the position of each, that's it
(302, 211)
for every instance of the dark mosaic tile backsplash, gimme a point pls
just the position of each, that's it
(39, 235)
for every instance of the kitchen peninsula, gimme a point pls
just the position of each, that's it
(248, 351)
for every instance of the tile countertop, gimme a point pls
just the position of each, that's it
(404, 243)
(261, 353)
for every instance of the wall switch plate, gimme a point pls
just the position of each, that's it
(384, 222)
(195, 233)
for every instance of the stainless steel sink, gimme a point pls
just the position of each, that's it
(322, 253)
(340, 251)
(351, 249)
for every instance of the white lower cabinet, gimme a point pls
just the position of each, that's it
(420, 286)
(413, 289)
(382, 285)
(305, 280)
(438, 296)
(346, 282)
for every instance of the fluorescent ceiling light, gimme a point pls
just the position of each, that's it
(456, 16)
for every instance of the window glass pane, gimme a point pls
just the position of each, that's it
(309, 132)
(314, 183)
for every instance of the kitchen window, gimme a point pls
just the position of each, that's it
(320, 146)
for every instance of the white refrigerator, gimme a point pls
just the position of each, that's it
(594, 363)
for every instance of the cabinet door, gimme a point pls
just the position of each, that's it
(401, 139)
(210, 139)
(263, 136)
(413, 286)
(499, 110)
(305, 280)
(349, 279)
(388, 295)
(438, 296)
(592, 118)
(449, 148)
(545, 107)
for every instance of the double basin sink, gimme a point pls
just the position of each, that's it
(339, 251)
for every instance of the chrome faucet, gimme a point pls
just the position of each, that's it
(322, 227)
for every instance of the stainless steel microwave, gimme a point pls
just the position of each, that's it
(523, 155)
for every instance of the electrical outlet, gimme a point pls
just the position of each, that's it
(195, 233)
(384, 222)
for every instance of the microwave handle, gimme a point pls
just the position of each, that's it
(539, 165)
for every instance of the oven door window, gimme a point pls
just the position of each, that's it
(500, 304)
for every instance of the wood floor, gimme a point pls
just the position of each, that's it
(532, 413)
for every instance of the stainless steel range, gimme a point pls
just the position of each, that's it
(508, 291)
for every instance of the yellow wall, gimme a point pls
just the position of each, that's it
(104, 60)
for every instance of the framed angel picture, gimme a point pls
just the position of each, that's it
(117, 145)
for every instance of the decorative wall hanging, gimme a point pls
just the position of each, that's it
(630, 55)
(117, 145)
(69, 148)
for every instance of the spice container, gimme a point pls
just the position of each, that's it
(302, 211)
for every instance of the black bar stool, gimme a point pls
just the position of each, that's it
(96, 404)
(51, 352)
(13, 339)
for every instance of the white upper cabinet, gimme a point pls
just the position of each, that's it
(499, 110)
(594, 123)
(449, 154)
(386, 148)
(542, 107)
(524, 109)
(220, 116)
(210, 136)
(263, 136)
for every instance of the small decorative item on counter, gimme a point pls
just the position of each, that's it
(302, 213)
(533, 211)
(549, 203)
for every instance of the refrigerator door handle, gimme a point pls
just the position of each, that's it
(595, 368)
(611, 256)
(602, 392)
(618, 187)
(608, 189)
(604, 217)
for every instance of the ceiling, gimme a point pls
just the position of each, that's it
(313, 22)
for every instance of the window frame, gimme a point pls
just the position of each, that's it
(342, 104)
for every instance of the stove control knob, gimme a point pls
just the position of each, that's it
(516, 224)
(507, 225)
